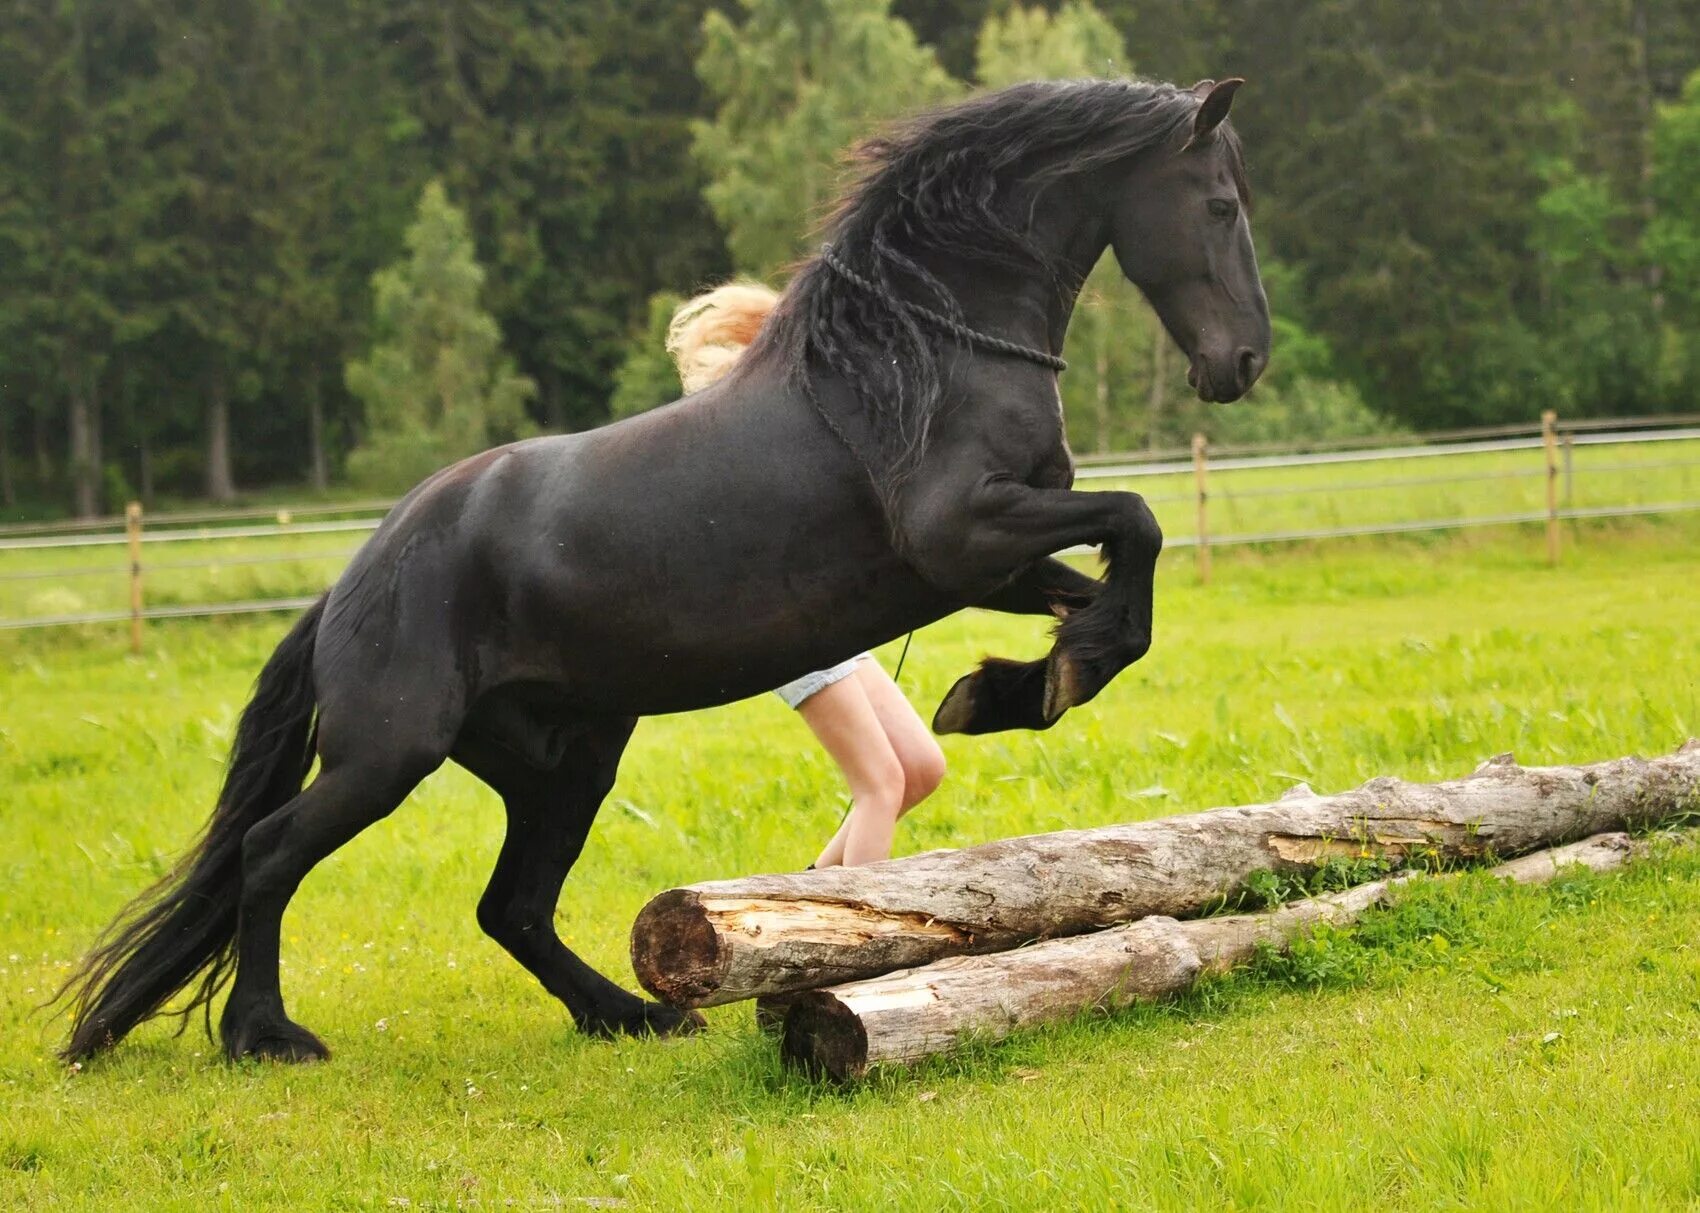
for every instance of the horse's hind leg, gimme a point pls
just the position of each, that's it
(549, 816)
(277, 854)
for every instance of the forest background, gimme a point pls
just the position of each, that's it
(256, 244)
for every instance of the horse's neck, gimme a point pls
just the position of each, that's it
(1029, 306)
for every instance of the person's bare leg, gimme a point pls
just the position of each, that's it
(917, 751)
(850, 731)
(918, 755)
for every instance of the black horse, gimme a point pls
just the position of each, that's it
(889, 451)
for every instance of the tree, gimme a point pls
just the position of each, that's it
(1031, 44)
(437, 386)
(792, 86)
(223, 65)
(1595, 316)
(1673, 237)
(75, 118)
(351, 170)
(563, 128)
(1183, 40)
(1483, 208)
(1399, 153)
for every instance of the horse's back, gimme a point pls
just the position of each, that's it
(681, 558)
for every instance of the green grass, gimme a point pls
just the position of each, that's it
(1252, 501)
(1476, 1047)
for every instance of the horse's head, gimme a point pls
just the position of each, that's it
(1180, 231)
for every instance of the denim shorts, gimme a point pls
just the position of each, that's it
(794, 692)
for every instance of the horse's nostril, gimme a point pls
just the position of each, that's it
(1246, 367)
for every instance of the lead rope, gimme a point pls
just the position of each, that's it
(971, 336)
(902, 657)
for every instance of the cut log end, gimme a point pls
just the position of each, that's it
(676, 951)
(824, 1038)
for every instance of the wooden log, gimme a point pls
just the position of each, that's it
(843, 1031)
(728, 940)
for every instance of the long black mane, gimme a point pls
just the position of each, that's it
(956, 181)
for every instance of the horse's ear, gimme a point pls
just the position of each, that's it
(1218, 97)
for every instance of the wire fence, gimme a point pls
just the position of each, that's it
(256, 559)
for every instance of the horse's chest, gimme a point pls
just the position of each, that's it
(1056, 470)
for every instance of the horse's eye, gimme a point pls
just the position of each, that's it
(1223, 208)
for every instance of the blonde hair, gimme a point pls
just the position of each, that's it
(709, 334)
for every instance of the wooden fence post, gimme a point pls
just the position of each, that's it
(1199, 472)
(1549, 442)
(133, 530)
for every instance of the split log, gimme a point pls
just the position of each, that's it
(842, 1031)
(723, 941)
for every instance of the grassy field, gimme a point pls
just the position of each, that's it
(1475, 1047)
(1253, 501)
(1244, 501)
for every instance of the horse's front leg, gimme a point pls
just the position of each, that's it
(1003, 524)
(1046, 587)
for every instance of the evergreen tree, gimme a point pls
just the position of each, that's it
(950, 27)
(1673, 238)
(76, 83)
(351, 168)
(1480, 210)
(437, 386)
(220, 58)
(564, 127)
(1415, 163)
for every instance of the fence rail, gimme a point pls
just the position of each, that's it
(1138, 466)
(194, 611)
(189, 535)
(1420, 526)
(1208, 477)
(110, 522)
(1622, 425)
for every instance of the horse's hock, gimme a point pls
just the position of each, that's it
(723, 941)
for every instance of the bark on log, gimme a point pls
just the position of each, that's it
(842, 1031)
(724, 941)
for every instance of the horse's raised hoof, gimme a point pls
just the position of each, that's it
(956, 709)
(649, 1019)
(999, 695)
(1062, 686)
(282, 1042)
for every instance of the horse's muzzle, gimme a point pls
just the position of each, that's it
(1220, 380)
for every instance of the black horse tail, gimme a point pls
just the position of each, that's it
(184, 927)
